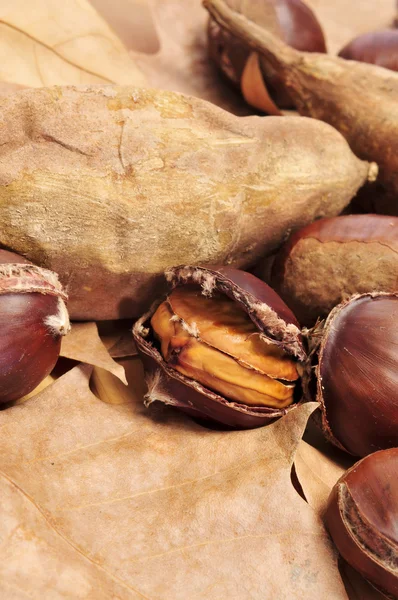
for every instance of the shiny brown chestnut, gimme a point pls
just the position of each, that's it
(357, 374)
(222, 346)
(330, 260)
(376, 48)
(291, 20)
(33, 319)
(362, 519)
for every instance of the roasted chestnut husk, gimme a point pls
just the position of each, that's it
(357, 374)
(362, 519)
(222, 346)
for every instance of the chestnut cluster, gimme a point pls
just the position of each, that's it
(224, 346)
(33, 319)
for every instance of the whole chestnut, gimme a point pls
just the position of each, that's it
(329, 260)
(376, 48)
(222, 346)
(362, 519)
(33, 318)
(357, 374)
(291, 20)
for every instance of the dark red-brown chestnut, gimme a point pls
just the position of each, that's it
(221, 346)
(332, 259)
(291, 20)
(33, 318)
(362, 519)
(357, 374)
(376, 47)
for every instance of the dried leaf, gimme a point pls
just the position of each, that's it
(182, 63)
(102, 500)
(110, 389)
(117, 337)
(317, 473)
(83, 344)
(48, 42)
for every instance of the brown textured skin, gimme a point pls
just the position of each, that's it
(332, 259)
(167, 385)
(358, 99)
(291, 20)
(376, 47)
(362, 518)
(357, 374)
(110, 185)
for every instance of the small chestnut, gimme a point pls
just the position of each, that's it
(357, 374)
(33, 318)
(222, 345)
(291, 20)
(376, 47)
(331, 259)
(362, 519)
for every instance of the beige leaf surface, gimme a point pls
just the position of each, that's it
(182, 63)
(112, 501)
(49, 42)
(83, 344)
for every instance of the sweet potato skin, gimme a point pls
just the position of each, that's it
(110, 185)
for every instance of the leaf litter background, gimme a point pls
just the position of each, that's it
(102, 498)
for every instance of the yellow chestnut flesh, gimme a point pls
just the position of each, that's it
(213, 341)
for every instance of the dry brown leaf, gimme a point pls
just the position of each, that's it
(117, 337)
(113, 501)
(49, 42)
(83, 344)
(110, 389)
(317, 473)
(182, 63)
(342, 20)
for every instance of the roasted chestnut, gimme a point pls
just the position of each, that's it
(291, 20)
(362, 519)
(330, 260)
(357, 374)
(222, 346)
(376, 47)
(33, 318)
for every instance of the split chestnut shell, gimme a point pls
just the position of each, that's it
(273, 322)
(357, 374)
(362, 518)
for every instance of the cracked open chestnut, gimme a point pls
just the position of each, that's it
(291, 20)
(362, 519)
(33, 319)
(222, 346)
(357, 374)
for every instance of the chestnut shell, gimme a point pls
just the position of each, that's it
(323, 278)
(357, 374)
(267, 311)
(376, 47)
(362, 519)
(33, 319)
